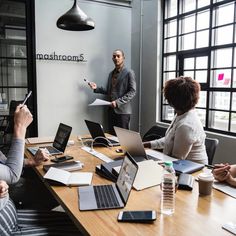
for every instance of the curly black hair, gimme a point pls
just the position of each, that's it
(182, 93)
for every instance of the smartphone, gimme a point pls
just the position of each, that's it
(61, 159)
(137, 216)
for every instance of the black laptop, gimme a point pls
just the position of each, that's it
(59, 143)
(98, 135)
(110, 196)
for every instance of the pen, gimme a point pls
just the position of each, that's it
(85, 80)
(212, 166)
(28, 95)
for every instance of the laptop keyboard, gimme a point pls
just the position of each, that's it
(105, 196)
(52, 149)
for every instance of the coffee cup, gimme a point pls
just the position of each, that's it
(205, 182)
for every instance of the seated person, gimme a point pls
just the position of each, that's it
(225, 173)
(19, 222)
(185, 137)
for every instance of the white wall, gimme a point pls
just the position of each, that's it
(63, 96)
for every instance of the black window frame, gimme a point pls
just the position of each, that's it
(197, 52)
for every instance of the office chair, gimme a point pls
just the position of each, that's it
(155, 132)
(211, 145)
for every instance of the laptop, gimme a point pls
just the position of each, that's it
(96, 131)
(59, 143)
(110, 196)
(131, 142)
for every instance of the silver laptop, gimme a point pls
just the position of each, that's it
(100, 197)
(131, 142)
(59, 143)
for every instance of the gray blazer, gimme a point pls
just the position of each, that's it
(126, 90)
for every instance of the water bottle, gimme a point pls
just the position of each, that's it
(168, 185)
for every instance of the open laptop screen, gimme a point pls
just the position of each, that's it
(62, 137)
(126, 178)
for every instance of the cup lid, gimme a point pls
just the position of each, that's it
(206, 176)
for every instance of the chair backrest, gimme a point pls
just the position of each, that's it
(155, 132)
(211, 145)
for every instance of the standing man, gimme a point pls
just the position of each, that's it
(121, 88)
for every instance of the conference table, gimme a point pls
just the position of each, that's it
(194, 214)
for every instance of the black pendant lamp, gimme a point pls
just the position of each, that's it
(75, 20)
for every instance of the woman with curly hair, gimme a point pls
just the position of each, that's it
(185, 137)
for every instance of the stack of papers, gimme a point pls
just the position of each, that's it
(69, 166)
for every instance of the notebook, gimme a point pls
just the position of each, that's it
(186, 166)
(59, 143)
(96, 131)
(131, 142)
(100, 197)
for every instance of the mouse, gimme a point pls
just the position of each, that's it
(119, 150)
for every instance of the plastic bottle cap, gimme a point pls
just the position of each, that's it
(168, 163)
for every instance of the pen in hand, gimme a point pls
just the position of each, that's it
(26, 98)
(85, 80)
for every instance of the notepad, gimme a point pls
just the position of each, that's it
(149, 174)
(61, 177)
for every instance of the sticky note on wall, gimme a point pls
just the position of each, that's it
(221, 76)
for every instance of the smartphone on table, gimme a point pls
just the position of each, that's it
(137, 216)
(61, 159)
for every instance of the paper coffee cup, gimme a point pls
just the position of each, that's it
(205, 182)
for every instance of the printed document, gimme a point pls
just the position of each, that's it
(100, 102)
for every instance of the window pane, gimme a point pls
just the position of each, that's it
(202, 99)
(234, 80)
(223, 35)
(221, 58)
(202, 115)
(168, 113)
(203, 20)
(220, 78)
(187, 42)
(189, 74)
(234, 102)
(187, 5)
(17, 94)
(202, 3)
(171, 28)
(15, 72)
(169, 75)
(223, 14)
(170, 45)
(187, 24)
(219, 120)
(219, 100)
(201, 62)
(189, 63)
(169, 63)
(234, 57)
(233, 122)
(201, 76)
(170, 8)
(203, 39)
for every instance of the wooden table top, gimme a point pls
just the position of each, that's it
(194, 214)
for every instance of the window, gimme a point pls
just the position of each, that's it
(17, 63)
(199, 40)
